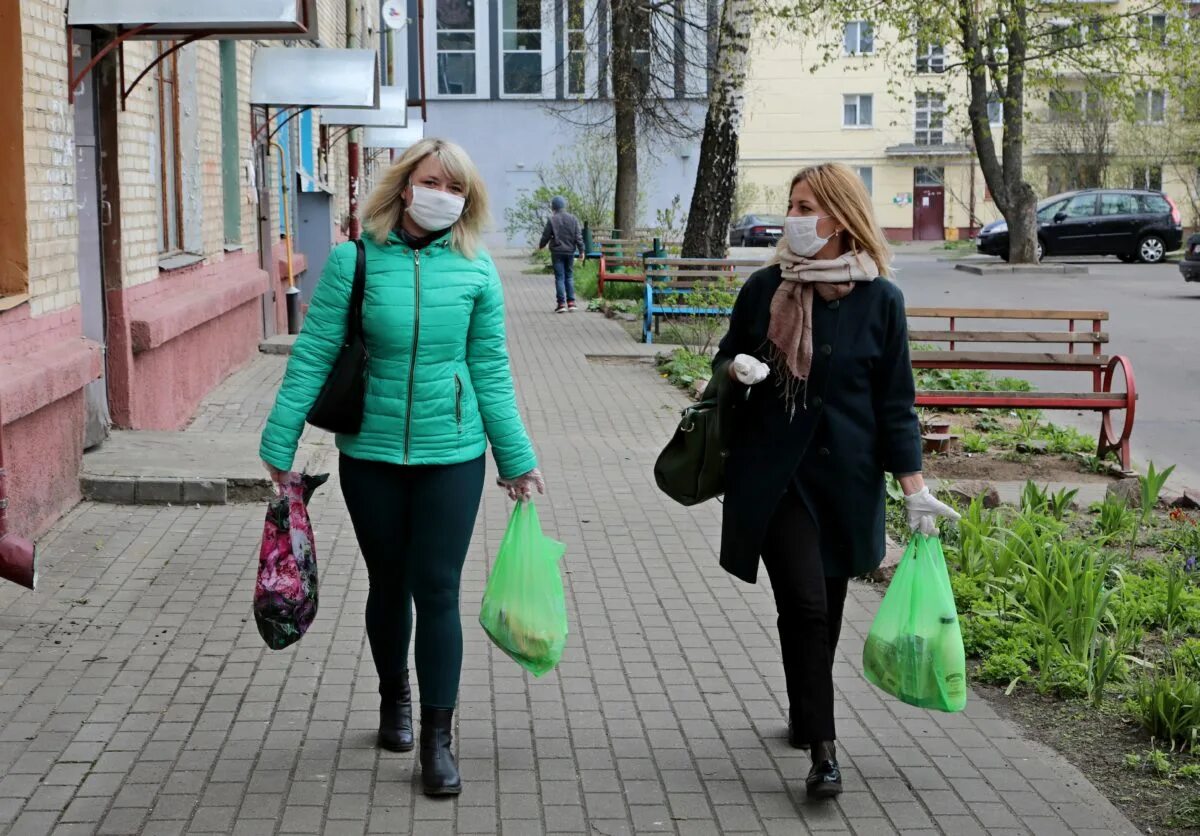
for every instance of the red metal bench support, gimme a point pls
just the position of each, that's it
(1110, 442)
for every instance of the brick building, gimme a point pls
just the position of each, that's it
(139, 257)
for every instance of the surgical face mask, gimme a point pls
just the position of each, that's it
(802, 237)
(435, 210)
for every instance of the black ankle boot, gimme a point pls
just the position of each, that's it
(395, 719)
(439, 772)
(825, 778)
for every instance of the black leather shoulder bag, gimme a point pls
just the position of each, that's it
(339, 406)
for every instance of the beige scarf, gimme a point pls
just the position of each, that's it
(790, 331)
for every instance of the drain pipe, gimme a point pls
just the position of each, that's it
(293, 293)
(18, 556)
(353, 166)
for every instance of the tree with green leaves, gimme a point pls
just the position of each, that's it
(1009, 55)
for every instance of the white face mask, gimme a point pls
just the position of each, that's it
(802, 237)
(435, 210)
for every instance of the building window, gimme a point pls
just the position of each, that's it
(1151, 106)
(521, 47)
(457, 46)
(995, 109)
(929, 176)
(859, 38)
(931, 58)
(1148, 177)
(231, 180)
(1154, 28)
(867, 175)
(643, 32)
(576, 48)
(170, 156)
(930, 117)
(857, 111)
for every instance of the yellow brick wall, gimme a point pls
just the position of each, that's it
(137, 132)
(208, 77)
(49, 159)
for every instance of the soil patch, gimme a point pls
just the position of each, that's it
(1097, 743)
(996, 467)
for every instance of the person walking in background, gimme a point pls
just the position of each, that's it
(440, 389)
(816, 372)
(564, 235)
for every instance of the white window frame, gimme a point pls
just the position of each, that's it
(861, 27)
(483, 57)
(548, 50)
(866, 173)
(935, 57)
(930, 97)
(997, 101)
(1142, 173)
(590, 67)
(1145, 99)
(858, 124)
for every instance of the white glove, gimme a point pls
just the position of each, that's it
(750, 370)
(523, 486)
(923, 512)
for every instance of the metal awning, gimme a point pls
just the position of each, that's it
(392, 112)
(225, 19)
(397, 138)
(287, 77)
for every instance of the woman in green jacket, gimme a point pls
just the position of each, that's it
(440, 389)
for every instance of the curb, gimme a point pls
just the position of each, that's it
(1023, 269)
(122, 490)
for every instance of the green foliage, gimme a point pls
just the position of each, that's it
(585, 173)
(975, 443)
(701, 333)
(683, 368)
(1186, 657)
(1068, 440)
(1115, 520)
(1168, 707)
(1040, 501)
(1152, 484)
(1149, 594)
(1003, 669)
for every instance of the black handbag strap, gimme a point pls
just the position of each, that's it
(357, 292)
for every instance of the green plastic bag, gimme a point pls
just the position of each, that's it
(914, 650)
(524, 610)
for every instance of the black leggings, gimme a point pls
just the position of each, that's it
(414, 526)
(810, 609)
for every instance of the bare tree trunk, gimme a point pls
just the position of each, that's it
(1022, 200)
(626, 94)
(707, 234)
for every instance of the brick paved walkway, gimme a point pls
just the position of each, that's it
(136, 696)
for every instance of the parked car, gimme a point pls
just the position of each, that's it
(757, 231)
(1190, 266)
(1132, 224)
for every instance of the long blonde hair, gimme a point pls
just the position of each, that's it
(842, 192)
(385, 205)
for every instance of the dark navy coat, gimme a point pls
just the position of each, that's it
(856, 421)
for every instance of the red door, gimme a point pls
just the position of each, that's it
(929, 212)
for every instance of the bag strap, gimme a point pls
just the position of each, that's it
(357, 292)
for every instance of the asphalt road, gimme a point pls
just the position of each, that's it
(1153, 321)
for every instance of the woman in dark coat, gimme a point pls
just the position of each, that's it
(816, 375)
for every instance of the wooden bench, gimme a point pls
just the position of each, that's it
(669, 281)
(1036, 349)
(620, 261)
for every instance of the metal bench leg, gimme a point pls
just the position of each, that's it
(1110, 441)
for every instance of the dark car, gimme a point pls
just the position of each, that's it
(757, 231)
(1190, 266)
(1132, 224)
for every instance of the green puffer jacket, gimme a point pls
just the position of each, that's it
(440, 384)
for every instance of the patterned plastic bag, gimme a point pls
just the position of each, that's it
(285, 594)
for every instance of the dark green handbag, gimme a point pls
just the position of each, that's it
(691, 468)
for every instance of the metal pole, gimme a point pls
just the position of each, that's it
(293, 292)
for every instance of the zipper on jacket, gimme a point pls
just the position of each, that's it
(412, 363)
(458, 393)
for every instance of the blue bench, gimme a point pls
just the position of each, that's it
(671, 281)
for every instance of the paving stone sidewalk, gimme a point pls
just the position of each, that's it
(137, 697)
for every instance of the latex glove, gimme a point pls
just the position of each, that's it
(523, 486)
(923, 512)
(750, 370)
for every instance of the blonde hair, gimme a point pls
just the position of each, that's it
(842, 192)
(385, 205)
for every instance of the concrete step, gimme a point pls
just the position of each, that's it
(146, 468)
(278, 344)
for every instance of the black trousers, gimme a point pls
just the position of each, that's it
(810, 608)
(414, 526)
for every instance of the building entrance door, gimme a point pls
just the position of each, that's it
(90, 258)
(929, 204)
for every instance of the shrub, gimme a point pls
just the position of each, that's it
(683, 368)
(1168, 707)
(1003, 669)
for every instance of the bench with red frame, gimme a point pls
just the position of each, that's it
(1037, 350)
(621, 261)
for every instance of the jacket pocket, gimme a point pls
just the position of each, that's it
(458, 398)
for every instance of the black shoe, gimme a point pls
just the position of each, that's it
(825, 778)
(395, 719)
(439, 772)
(794, 739)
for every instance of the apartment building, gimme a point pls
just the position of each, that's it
(140, 257)
(905, 131)
(517, 81)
